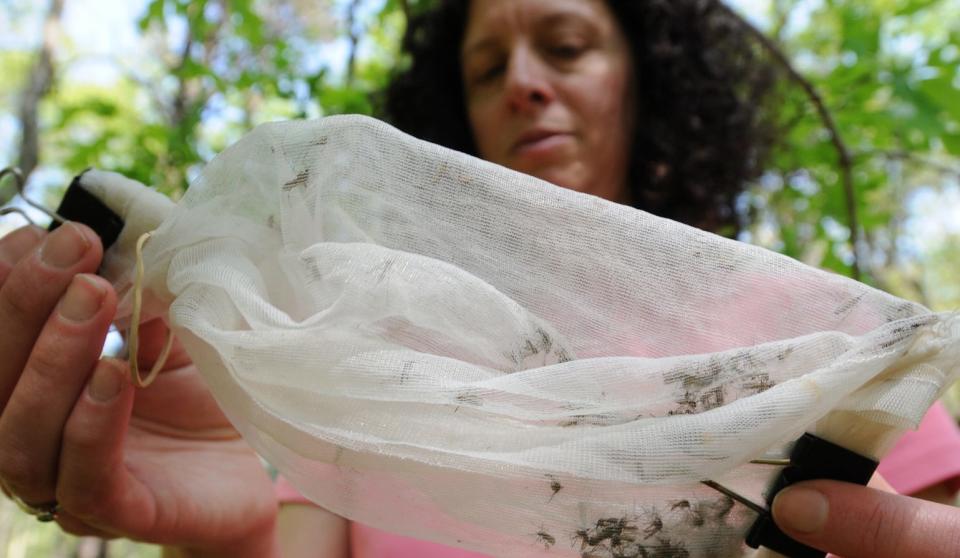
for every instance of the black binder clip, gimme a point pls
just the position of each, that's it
(811, 458)
(83, 207)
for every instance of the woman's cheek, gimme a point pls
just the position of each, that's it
(484, 125)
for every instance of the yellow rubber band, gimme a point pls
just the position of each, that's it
(133, 339)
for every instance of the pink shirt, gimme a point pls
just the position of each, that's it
(367, 542)
(926, 456)
(922, 458)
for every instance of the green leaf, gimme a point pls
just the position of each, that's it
(951, 142)
(153, 14)
(911, 7)
(940, 95)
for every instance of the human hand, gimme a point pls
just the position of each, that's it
(160, 465)
(859, 522)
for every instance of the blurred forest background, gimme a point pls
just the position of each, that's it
(865, 183)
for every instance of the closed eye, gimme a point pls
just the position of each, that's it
(565, 52)
(491, 73)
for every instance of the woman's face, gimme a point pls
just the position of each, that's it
(548, 90)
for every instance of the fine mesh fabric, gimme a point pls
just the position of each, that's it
(441, 347)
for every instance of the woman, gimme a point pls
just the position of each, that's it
(555, 88)
(680, 108)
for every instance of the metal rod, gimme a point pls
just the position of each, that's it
(18, 211)
(18, 178)
(743, 500)
(779, 462)
(17, 175)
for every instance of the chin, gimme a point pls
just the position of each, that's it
(563, 179)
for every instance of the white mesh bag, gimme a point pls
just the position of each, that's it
(440, 347)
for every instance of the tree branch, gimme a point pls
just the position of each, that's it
(191, 95)
(405, 8)
(178, 106)
(844, 159)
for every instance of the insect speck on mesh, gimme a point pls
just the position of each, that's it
(555, 486)
(546, 538)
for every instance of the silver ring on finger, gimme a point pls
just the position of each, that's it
(45, 513)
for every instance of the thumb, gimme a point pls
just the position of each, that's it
(858, 522)
(94, 484)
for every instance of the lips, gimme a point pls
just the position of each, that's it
(537, 140)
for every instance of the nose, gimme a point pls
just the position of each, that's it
(528, 86)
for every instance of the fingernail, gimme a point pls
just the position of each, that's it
(800, 509)
(65, 246)
(37, 232)
(83, 299)
(106, 383)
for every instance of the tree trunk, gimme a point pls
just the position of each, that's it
(39, 83)
(354, 37)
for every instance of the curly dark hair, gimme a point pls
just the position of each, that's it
(702, 86)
